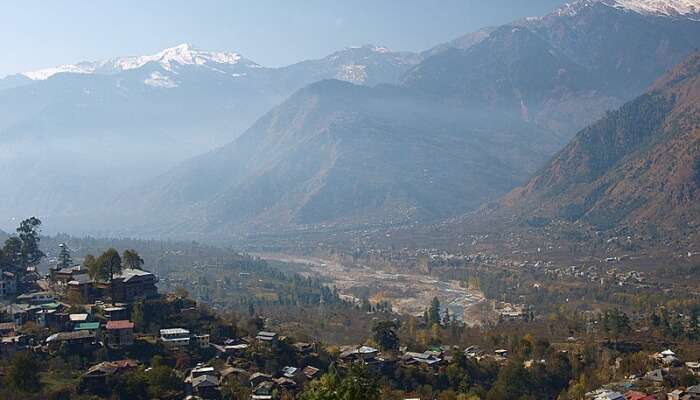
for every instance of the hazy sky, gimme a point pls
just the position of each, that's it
(37, 34)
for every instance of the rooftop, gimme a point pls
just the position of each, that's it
(90, 326)
(123, 324)
(174, 331)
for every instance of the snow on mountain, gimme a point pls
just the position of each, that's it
(659, 7)
(159, 80)
(666, 8)
(168, 59)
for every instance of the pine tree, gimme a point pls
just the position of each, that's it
(64, 257)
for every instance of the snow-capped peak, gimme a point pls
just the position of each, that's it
(168, 59)
(665, 8)
(659, 7)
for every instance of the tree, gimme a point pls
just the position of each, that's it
(12, 252)
(434, 316)
(384, 333)
(107, 265)
(64, 258)
(28, 232)
(359, 384)
(132, 259)
(90, 263)
(23, 373)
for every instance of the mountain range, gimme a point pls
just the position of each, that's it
(637, 170)
(76, 135)
(395, 138)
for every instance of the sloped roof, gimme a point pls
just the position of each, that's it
(205, 381)
(75, 335)
(128, 274)
(90, 326)
(123, 324)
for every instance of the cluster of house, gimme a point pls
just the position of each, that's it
(100, 325)
(599, 274)
(692, 393)
(205, 382)
(512, 312)
(127, 285)
(651, 385)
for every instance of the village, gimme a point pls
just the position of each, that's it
(68, 311)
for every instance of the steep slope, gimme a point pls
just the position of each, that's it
(336, 154)
(465, 125)
(71, 131)
(638, 167)
(564, 70)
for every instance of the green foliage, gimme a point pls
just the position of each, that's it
(434, 312)
(358, 384)
(107, 265)
(28, 232)
(23, 373)
(616, 323)
(64, 257)
(132, 259)
(12, 252)
(384, 333)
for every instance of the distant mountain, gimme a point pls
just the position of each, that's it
(341, 155)
(444, 130)
(70, 132)
(637, 168)
(563, 71)
(465, 125)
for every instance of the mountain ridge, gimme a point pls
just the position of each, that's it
(636, 169)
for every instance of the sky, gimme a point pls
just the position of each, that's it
(38, 34)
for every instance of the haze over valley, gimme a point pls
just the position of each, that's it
(501, 205)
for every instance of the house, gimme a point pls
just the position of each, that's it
(120, 334)
(203, 381)
(693, 367)
(131, 284)
(115, 313)
(290, 372)
(76, 340)
(426, 358)
(363, 353)
(263, 391)
(675, 395)
(311, 372)
(202, 341)
(304, 348)
(501, 353)
(19, 313)
(61, 277)
(175, 337)
(473, 352)
(96, 376)
(634, 395)
(8, 285)
(266, 337)
(81, 287)
(36, 298)
(9, 345)
(285, 383)
(206, 387)
(656, 377)
(78, 318)
(228, 373)
(87, 326)
(693, 393)
(7, 327)
(258, 378)
(604, 394)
